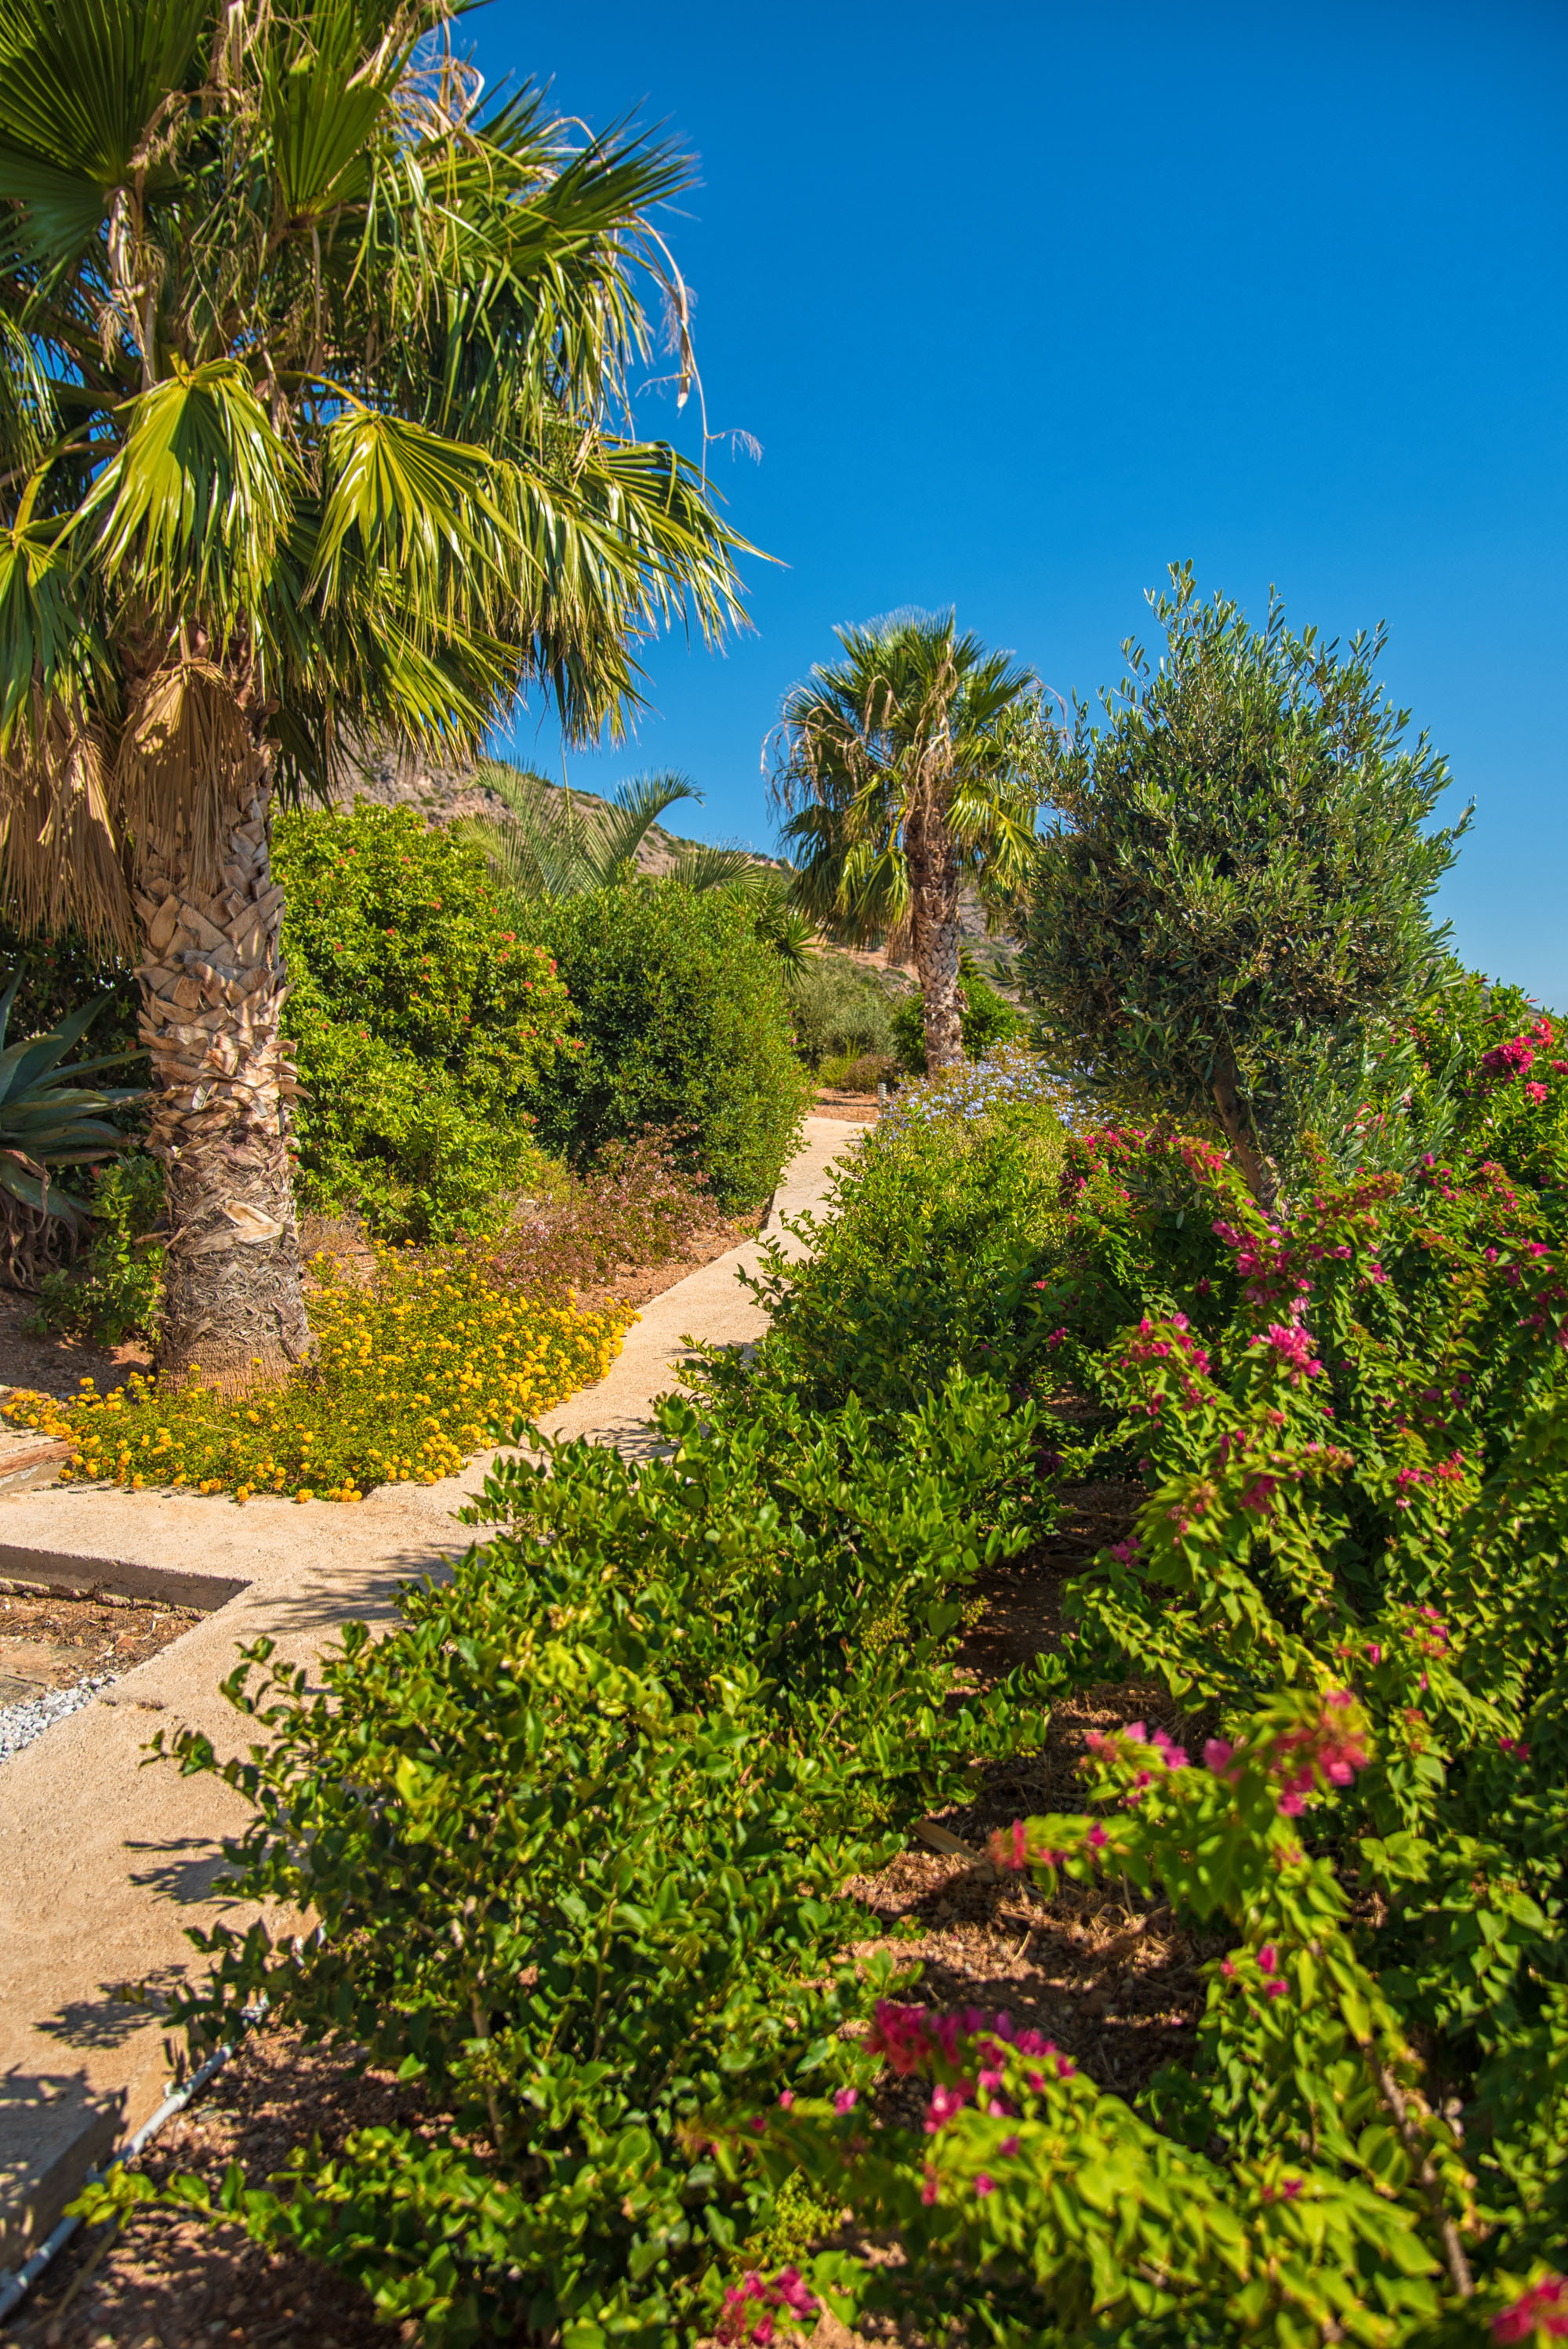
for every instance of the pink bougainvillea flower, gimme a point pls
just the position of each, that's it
(985, 2183)
(1217, 1753)
(945, 2104)
(1097, 1838)
(1544, 2309)
(1009, 2145)
(1293, 1347)
(901, 2035)
(1534, 1091)
(846, 2100)
(792, 2291)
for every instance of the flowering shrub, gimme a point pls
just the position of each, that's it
(411, 1372)
(1301, 2183)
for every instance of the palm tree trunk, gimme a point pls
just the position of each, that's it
(1261, 1174)
(213, 991)
(933, 895)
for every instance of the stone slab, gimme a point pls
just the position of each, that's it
(104, 1862)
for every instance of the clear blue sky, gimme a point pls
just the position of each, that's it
(1023, 301)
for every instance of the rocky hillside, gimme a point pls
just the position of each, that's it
(405, 779)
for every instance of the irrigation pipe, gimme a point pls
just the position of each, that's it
(14, 2288)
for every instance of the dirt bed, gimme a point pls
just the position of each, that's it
(54, 1365)
(50, 1642)
(168, 2282)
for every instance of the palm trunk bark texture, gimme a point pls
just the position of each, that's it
(213, 991)
(934, 898)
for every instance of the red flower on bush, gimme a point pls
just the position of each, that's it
(1506, 1061)
(753, 2291)
(1542, 2309)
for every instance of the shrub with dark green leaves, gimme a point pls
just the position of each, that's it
(111, 1290)
(424, 1024)
(684, 1023)
(987, 1020)
(939, 1227)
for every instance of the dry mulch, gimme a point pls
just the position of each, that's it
(169, 2283)
(1104, 1974)
(854, 1109)
(54, 1365)
(51, 1643)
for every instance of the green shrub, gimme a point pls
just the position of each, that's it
(684, 1021)
(938, 1228)
(840, 1011)
(570, 1838)
(422, 1022)
(858, 1073)
(110, 1292)
(988, 1021)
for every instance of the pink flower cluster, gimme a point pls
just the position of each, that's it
(1506, 1061)
(1544, 2309)
(1331, 1745)
(972, 2047)
(1135, 1745)
(1292, 1347)
(1168, 1341)
(753, 2291)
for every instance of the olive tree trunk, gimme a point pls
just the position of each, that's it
(1258, 1169)
(934, 893)
(212, 989)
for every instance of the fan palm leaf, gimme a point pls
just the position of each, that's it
(313, 427)
(904, 768)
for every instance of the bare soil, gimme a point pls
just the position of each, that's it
(169, 2283)
(632, 1284)
(54, 1365)
(854, 1109)
(1100, 1972)
(52, 1643)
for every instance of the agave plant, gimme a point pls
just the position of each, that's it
(48, 1118)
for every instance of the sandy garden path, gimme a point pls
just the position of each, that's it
(104, 1863)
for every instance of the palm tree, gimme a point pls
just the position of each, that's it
(550, 845)
(313, 428)
(906, 767)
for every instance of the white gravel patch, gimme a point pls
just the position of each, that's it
(20, 1723)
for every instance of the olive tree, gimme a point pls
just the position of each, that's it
(1237, 878)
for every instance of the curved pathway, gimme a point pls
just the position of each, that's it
(103, 1863)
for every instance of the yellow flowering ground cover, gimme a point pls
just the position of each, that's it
(414, 1370)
